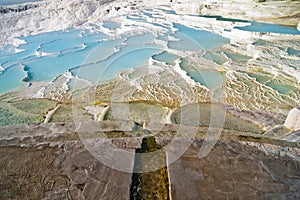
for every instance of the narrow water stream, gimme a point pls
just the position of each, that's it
(149, 184)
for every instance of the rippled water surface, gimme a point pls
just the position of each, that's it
(105, 50)
(94, 55)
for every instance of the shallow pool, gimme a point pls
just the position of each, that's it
(110, 25)
(191, 39)
(166, 57)
(271, 28)
(97, 56)
(210, 78)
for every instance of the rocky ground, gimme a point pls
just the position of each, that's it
(51, 161)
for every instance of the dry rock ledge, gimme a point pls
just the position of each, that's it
(51, 161)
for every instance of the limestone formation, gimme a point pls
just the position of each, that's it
(293, 119)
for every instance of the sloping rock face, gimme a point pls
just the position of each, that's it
(66, 171)
(233, 171)
(50, 161)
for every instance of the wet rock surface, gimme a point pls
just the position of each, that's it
(50, 161)
(233, 171)
(153, 184)
(67, 171)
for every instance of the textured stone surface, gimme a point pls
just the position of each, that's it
(51, 161)
(233, 171)
(66, 172)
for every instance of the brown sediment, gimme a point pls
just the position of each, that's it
(153, 184)
(50, 161)
(233, 171)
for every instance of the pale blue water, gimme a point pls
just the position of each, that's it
(281, 87)
(48, 67)
(166, 57)
(97, 57)
(148, 14)
(140, 39)
(212, 79)
(12, 78)
(102, 51)
(61, 45)
(70, 47)
(167, 11)
(136, 17)
(293, 52)
(110, 25)
(272, 28)
(258, 26)
(236, 57)
(12, 2)
(33, 43)
(129, 57)
(216, 57)
(195, 40)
